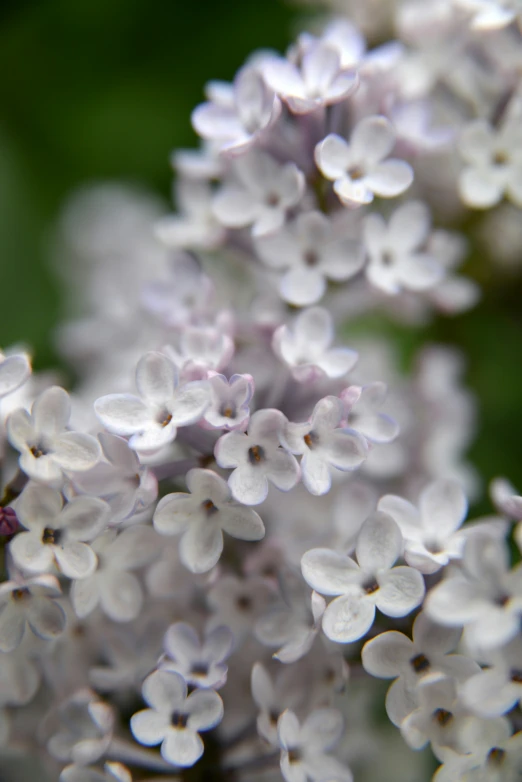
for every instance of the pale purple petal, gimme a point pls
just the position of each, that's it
(149, 727)
(122, 413)
(76, 451)
(201, 546)
(51, 411)
(333, 156)
(443, 505)
(390, 178)
(46, 618)
(401, 590)
(385, 656)
(328, 572)
(75, 559)
(373, 138)
(156, 378)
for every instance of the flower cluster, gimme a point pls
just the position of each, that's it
(234, 511)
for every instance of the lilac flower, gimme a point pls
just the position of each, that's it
(57, 535)
(312, 252)
(230, 401)
(173, 719)
(361, 404)
(494, 163)
(202, 665)
(396, 258)
(306, 347)
(260, 194)
(112, 586)
(237, 115)
(29, 602)
(151, 419)
(84, 729)
(202, 516)
(362, 587)
(320, 80)
(304, 747)
(257, 458)
(47, 449)
(323, 444)
(359, 169)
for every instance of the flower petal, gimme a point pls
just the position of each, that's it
(75, 559)
(76, 451)
(379, 543)
(385, 656)
(201, 546)
(205, 710)
(51, 411)
(149, 727)
(165, 691)
(401, 590)
(328, 572)
(348, 618)
(156, 378)
(443, 506)
(46, 618)
(182, 747)
(122, 413)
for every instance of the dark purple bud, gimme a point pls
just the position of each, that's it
(8, 521)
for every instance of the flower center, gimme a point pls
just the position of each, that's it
(228, 411)
(209, 508)
(164, 418)
(199, 669)
(370, 586)
(500, 158)
(311, 439)
(256, 455)
(355, 173)
(443, 717)
(244, 603)
(294, 756)
(51, 536)
(516, 676)
(20, 594)
(496, 756)
(272, 199)
(420, 663)
(38, 451)
(179, 720)
(387, 258)
(311, 258)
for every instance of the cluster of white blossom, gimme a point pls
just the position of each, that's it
(236, 523)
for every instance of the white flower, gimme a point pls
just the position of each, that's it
(371, 582)
(312, 252)
(47, 449)
(431, 534)
(261, 193)
(126, 486)
(304, 747)
(294, 623)
(84, 730)
(14, 371)
(56, 534)
(29, 602)
(392, 655)
(173, 719)
(111, 586)
(438, 717)
(496, 689)
(397, 258)
(306, 347)
(485, 598)
(202, 516)
(230, 401)
(237, 115)
(358, 169)
(494, 163)
(257, 458)
(237, 603)
(360, 409)
(204, 347)
(151, 420)
(202, 665)
(323, 444)
(320, 80)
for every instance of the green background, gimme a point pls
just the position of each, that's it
(103, 89)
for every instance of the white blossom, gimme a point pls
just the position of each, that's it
(202, 664)
(304, 747)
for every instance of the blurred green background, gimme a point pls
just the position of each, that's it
(103, 89)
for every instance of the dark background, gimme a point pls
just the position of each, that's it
(103, 89)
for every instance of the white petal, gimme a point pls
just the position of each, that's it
(182, 747)
(14, 370)
(85, 596)
(443, 506)
(401, 590)
(149, 727)
(20, 429)
(409, 226)
(122, 597)
(38, 506)
(181, 642)
(75, 559)
(76, 451)
(322, 729)
(404, 513)
(338, 362)
(373, 138)
(234, 207)
(122, 413)
(190, 402)
(242, 523)
(328, 572)
(400, 701)
(454, 602)
(156, 378)
(46, 618)
(230, 449)
(348, 618)
(490, 694)
(12, 626)
(284, 470)
(84, 518)
(51, 411)
(302, 286)
(283, 77)
(29, 553)
(205, 710)
(476, 142)
(316, 473)
(164, 691)
(480, 187)
(249, 486)
(386, 655)
(297, 646)
(201, 546)
(288, 729)
(346, 449)
(117, 451)
(134, 547)
(333, 156)
(390, 178)
(173, 513)
(379, 543)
